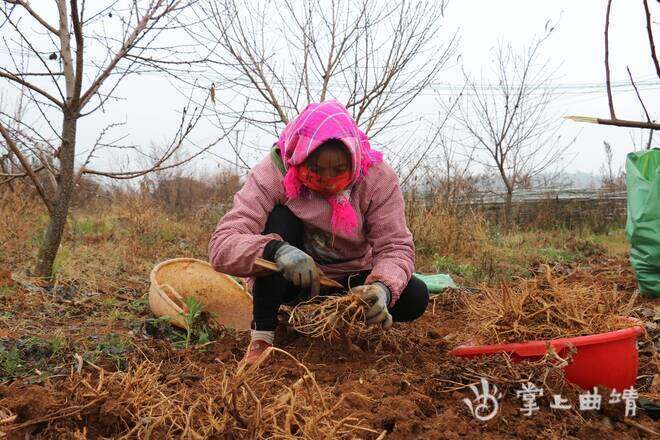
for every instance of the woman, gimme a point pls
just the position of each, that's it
(324, 197)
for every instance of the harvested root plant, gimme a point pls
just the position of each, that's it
(545, 307)
(330, 318)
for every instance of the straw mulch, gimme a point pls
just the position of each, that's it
(545, 307)
(186, 401)
(547, 372)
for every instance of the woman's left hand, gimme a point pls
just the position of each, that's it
(377, 295)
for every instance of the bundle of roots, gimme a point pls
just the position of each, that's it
(343, 318)
(330, 317)
(545, 307)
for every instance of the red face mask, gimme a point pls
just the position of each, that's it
(326, 186)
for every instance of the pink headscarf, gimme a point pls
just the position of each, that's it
(317, 123)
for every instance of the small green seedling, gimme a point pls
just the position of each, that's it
(196, 329)
(10, 362)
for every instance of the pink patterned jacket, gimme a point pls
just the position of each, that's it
(383, 243)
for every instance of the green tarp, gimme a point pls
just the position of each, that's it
(643, 223)
(437, 282)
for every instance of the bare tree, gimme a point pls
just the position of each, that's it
(445, 176)
(611, 179)
(450, 174)
(649, 124)
(375, 57)
(507, 122)
(67, 59)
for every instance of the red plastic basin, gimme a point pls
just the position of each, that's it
(609, 359)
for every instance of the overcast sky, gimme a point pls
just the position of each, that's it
(577, 45)
(150, 104)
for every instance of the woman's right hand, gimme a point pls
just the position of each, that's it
(298, 268)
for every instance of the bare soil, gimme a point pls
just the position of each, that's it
(408, 387)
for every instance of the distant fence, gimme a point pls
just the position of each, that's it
(598, 209)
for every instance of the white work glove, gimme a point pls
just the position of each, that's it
(378, 296)
(298, 267)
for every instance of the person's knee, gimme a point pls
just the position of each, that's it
(413, 302)
(420, 295)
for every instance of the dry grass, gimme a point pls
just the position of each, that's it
(112, 242)
(443, 230)
(106, 246)
(547, 372)
(186, 401)
(545, 307)
(20, 216)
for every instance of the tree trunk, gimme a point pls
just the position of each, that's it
(65, 182)
(6, 171)
(508, 209)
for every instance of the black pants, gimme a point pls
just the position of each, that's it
(273, 290)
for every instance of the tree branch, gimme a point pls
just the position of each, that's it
(65, 51)
(12, 77)
(616, 122)
(607, 60)
(32, 12)
(13, 176)
(648, 118)
(650, 32)
(28, 169)
(185, 127)
(78, 33)
(39, 73)
(125, 48)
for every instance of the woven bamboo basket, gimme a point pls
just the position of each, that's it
(228, 302)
